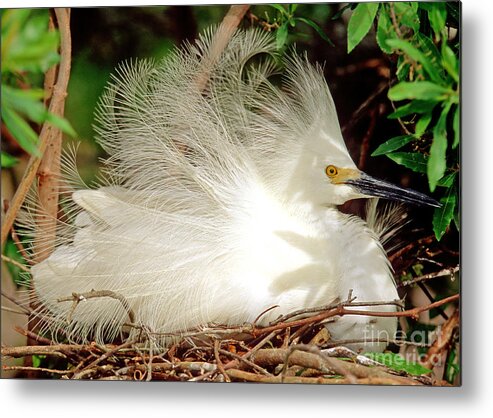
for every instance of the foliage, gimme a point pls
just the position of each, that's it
(417, 36)
(10, 250)
(28, 50)
(286, 19)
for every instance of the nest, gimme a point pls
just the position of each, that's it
(296, 348)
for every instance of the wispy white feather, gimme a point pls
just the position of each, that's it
(197, 220)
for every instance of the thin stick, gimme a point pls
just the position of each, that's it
(15, 301)
(48, 130)
(104, 356)
(34, 369)
(76, 298)
(442, 340)
(15, 263)
(20, 247)
(219, 363)
(343, 310)
(221, 38)
(444, 272)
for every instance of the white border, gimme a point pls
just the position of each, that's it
(74, 399)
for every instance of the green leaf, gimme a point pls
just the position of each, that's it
(407, 15)
(398, 363)
(8, 161)
(415, 106)
(447, 181)
(412, 160)
(416, 55)
(437, 14)
(452, 368)
(450, 62)
(26, 102)
(385, 30)
(422, 124)
(444, 214)
(292, 8)
(360, 23)
(317, 28)
(61, 123)
(422, 90)
(281, 35)
(279, 8)
(21, 131)
(437, 163)
(403, 68)
(426, 45)
(457, 217)
(34, 50)
(392, 144)
(343, 9)
(11, 252)
(456, 125)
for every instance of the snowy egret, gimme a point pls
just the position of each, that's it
(218, 203)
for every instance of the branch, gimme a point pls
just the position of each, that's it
(273, 357)
(47, 350)
(342, 309)
(48, 131)
(444, 272)
(442, 340)
(49, 168)
(76, 298)
(221, 38)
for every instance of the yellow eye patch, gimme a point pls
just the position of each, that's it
(340, 175)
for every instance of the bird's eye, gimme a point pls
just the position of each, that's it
(331, 171)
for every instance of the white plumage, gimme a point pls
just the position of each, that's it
(217, 203)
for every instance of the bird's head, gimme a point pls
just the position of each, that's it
(332, 178)
(348, 183)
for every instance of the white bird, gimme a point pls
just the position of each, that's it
(219, 204)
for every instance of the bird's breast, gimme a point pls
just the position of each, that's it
(286, 258)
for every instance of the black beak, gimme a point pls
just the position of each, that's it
(372, 187)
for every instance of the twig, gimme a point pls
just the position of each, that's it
(219, 363)
(242, 359)
(7, 309)
(109, 353)
(33, 336)
(272, 357)
(35, 369)
(445, 272)
(252, 377)
(76, 298)
(394, 21)
(365, 143)
(20, 247)
(15, 263)
(327, 361)
(48, 350)
(221, 38)
(360, 111)
(342, 309)
(430, 297)
(15, 301)
(335, 343)
(423, 241)
(47, 131)
(442, 340)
